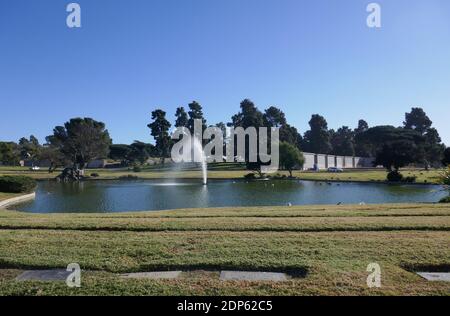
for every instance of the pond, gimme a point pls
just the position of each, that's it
(125, 196)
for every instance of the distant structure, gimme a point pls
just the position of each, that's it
(322, 161)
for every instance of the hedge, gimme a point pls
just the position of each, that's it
(17, 184)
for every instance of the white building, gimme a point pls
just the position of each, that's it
(345, 162)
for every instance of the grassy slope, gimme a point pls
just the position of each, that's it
(222, 171)
(334, 243)
(5, 196)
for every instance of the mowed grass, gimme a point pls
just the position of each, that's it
(331, 244)
(229, 171)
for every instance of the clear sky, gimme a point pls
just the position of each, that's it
(132, 56)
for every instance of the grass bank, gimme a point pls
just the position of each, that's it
(229, 171)
(5, 196)
(334, 244)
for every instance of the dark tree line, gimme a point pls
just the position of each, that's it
(393, 147)
(82, 140)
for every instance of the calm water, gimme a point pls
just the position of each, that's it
(122, 196)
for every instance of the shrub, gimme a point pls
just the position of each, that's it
(445, 180)
(445, 200)
(137, 169)
(128, 177)
(250, 176)
(410, 179)
(17, 184)
(394, 176)
(95, 175)
(445, 177)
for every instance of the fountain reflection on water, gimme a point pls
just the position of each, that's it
(199, 155)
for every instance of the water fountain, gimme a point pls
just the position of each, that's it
(199, 155)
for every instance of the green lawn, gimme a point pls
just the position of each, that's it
(229, 171)
(333, 244)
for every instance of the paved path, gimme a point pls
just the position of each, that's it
(44, 275)
(435, 276)
(253, 276)
(152, 275)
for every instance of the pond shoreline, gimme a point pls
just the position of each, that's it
(243, 179)
(110, 196)
(17, 200)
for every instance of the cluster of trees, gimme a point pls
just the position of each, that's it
(78, 142)
(136, 153)
(248, 116)
(82, 140)
(394, 147)
(416, 141)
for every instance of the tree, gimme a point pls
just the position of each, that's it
(433, 148)
(140, 152)
(160, 132)
(361, 149)
(53, 155)
(376, 137)
(29, 148)
(182, 119)
(137, 152)
(394, 147)
(9, 153)
(397, 154)
(274, 117)
(417, 120)
(249, 116)
(120, 152)
(81, 140)
(290, 157)
(362, 127)
(317, 139)
(446, 160)
(195, 113)
(342, 142)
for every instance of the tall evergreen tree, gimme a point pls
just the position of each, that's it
(29, 148)
(160, 132)
(274, 117)
(433, 149)
(446, 159)
(195, 113)
(249, 116)
(417, 120)
(181, 118)
(342, 142)
(317, 139)
(361, 149)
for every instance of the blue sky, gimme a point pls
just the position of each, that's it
(130, 57)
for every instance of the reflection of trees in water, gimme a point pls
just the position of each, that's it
(114, 196)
